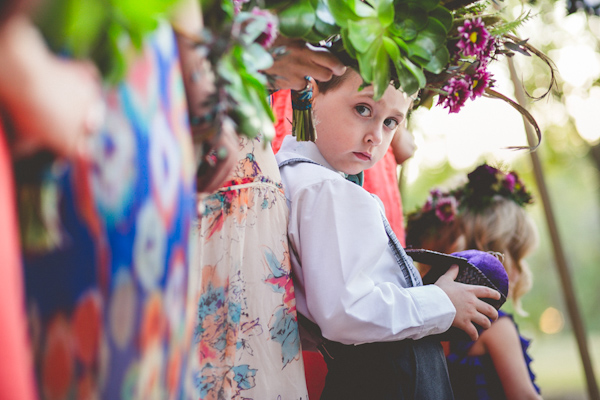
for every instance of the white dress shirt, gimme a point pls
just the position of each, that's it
(346, 278)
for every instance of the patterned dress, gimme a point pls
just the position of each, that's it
(107, 309)
(474, 377)
(246, 341)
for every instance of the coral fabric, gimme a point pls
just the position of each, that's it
(382, 180)
(16, 372)
(282, 107)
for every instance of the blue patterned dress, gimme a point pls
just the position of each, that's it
(474, 377)
(107, 311)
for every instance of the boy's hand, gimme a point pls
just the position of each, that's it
(466, 299)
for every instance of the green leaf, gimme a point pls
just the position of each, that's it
(347, 43)
(428, 41)
(325, 23)
(414, 13)
(314, 36)
(381, 70)
(367, 61)
(385, 11)
(344, 11)
(361, 8)
(364, 32)
(297, 20)
(392, 48)
(401, 44)
(414, 78)
(253, 29)
(256, 58)
(443, 16)
(438, 62)
(428, 5)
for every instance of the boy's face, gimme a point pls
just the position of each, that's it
(353, 130)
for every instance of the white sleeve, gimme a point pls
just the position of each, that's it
(354, 289)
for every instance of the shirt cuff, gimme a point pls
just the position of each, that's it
(437, 310)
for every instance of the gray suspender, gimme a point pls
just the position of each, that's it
(411, 275)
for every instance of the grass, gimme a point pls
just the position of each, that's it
(558, 368)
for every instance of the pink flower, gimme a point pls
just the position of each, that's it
(489, 51)
(445, 209)
(427, 205)
(509, 182)
(459, 90)
(269, 35)
(480, 80)
(473, 37)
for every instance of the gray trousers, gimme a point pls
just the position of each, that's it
(408, 369)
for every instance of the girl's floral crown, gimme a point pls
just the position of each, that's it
(484, 184)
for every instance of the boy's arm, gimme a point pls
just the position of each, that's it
(351, 281)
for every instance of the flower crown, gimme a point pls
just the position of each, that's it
(484, 184)
(430, 47)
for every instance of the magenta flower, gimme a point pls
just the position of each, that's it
(459, 90)
(510, 180)
(480, 80)
(489, 51)
(427, 205)
(445, 209)
(473, 37)
(269, 35)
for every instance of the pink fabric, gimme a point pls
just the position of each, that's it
(16, 371)
(382, 180)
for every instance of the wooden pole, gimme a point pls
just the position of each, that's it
(559, 255)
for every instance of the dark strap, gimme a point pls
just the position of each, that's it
(411, 275)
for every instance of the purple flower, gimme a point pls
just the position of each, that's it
(445, 209)
(509, 182)
(473, 37)
(427, 205)
(269, 35)
(480, 80)
(489, 51)
(459, 90)
(435, 193)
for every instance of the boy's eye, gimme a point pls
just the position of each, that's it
(363, 110)
(391, 123)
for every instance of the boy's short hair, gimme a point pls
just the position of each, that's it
(334, 82)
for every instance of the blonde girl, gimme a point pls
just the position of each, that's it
(487, 213)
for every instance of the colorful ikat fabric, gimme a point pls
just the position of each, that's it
(107, 311)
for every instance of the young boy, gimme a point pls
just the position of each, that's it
(352, 278)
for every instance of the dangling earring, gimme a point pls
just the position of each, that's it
(303, 126)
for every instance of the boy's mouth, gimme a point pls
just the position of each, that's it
(363, 156)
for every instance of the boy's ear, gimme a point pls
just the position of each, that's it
(315, 88)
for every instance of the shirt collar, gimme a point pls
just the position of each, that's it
(307, 150)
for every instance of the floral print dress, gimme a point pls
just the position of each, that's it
(246, 340)
(107, 309)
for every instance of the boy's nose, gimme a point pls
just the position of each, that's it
(374, 136)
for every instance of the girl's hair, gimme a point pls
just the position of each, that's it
(506, 228)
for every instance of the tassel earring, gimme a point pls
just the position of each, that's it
(303, 122)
